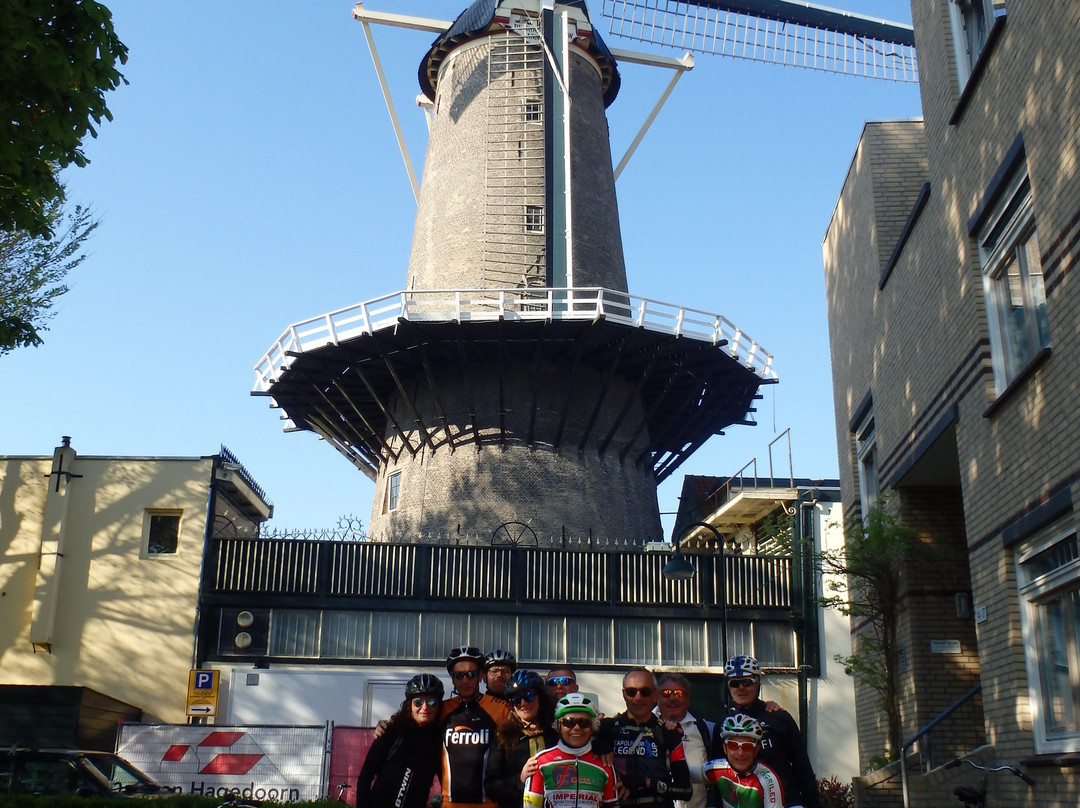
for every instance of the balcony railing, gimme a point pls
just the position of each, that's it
(505, 575)
(489, 305)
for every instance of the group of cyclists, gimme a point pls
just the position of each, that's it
(529, 741)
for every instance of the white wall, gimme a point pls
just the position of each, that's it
(831, 737)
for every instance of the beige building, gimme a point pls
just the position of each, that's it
(956, 365)
(100, 563)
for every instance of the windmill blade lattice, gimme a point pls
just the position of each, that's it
(776, 31)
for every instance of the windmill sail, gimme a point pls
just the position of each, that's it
(777, 31)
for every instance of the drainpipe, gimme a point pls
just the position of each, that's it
(54, 525)
(809, 603)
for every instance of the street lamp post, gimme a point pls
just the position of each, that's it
(680, 568)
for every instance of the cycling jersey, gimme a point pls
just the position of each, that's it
(649, 760)
(468, 738)
(570, 778)
(782, 750)
(760, 788)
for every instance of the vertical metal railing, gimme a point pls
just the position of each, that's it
(513, 575)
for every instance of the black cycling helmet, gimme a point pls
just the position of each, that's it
(424, 684)
(500, 657)
(524, 680)
(469, 652)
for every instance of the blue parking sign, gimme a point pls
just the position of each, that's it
(204, 680)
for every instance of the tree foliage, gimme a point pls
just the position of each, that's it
(58, 58)
(866, 585)
(33, 270)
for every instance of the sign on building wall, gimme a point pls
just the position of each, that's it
(283, 764)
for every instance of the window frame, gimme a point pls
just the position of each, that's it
(966, 50)
(393, 492)
(866, 460)
(1009, 238)
(532, 218)
(149, 515)
(1034, 591)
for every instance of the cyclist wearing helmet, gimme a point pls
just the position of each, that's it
(499, 665)
(402, 762)
(522, 736)
(782, 746)
(468, 722)
(649, 758)
(740, 778)
(571, 774)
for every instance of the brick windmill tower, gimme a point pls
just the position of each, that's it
(515, 380)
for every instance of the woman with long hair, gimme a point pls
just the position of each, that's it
(526, 732)
(402, 762)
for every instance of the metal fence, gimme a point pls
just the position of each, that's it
(501, 574)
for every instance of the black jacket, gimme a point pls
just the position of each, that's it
(503, 778)
(399, 768)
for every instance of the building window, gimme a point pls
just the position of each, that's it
(393, 491)
(534, 219)
(866, 452)
(971, 22)
(1013, 283)
(1048, 576)
(161, 531)
(532, 110)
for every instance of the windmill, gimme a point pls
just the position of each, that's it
(515, 378)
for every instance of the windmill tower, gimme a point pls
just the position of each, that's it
(515, 379)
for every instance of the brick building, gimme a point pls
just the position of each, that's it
(954, 341)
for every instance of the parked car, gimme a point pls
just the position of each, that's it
(70, 771)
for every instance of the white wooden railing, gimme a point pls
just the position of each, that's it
(480, 305)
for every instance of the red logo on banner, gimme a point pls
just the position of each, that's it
(224, 763)
(230, 764)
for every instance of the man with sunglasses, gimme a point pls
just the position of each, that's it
(782, 746)
(741, 780)
(648, 757)
(560, 681)
(697, 733)
(469, 722)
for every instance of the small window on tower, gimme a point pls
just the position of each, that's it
(534, 219)
(532, 110)
(161, 531)
(393, 490)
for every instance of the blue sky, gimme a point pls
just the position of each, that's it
(251, 179)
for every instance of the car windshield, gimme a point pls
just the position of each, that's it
(119, 773)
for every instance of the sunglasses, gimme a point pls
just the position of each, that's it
(528, 696)
(672, 693)
(741, 746)
(741, 682)
(457, 676)
(430, 701)
(579, 723)
(560, 681)
(632, 692)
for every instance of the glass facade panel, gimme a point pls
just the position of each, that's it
(441, 632)
(395, 635)
(491, 631)
(542, 639)
(740, 641)
(683, 643)
(774, 644)
(345, 635)
(637, 642)
(588, 641)
(294, 633)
